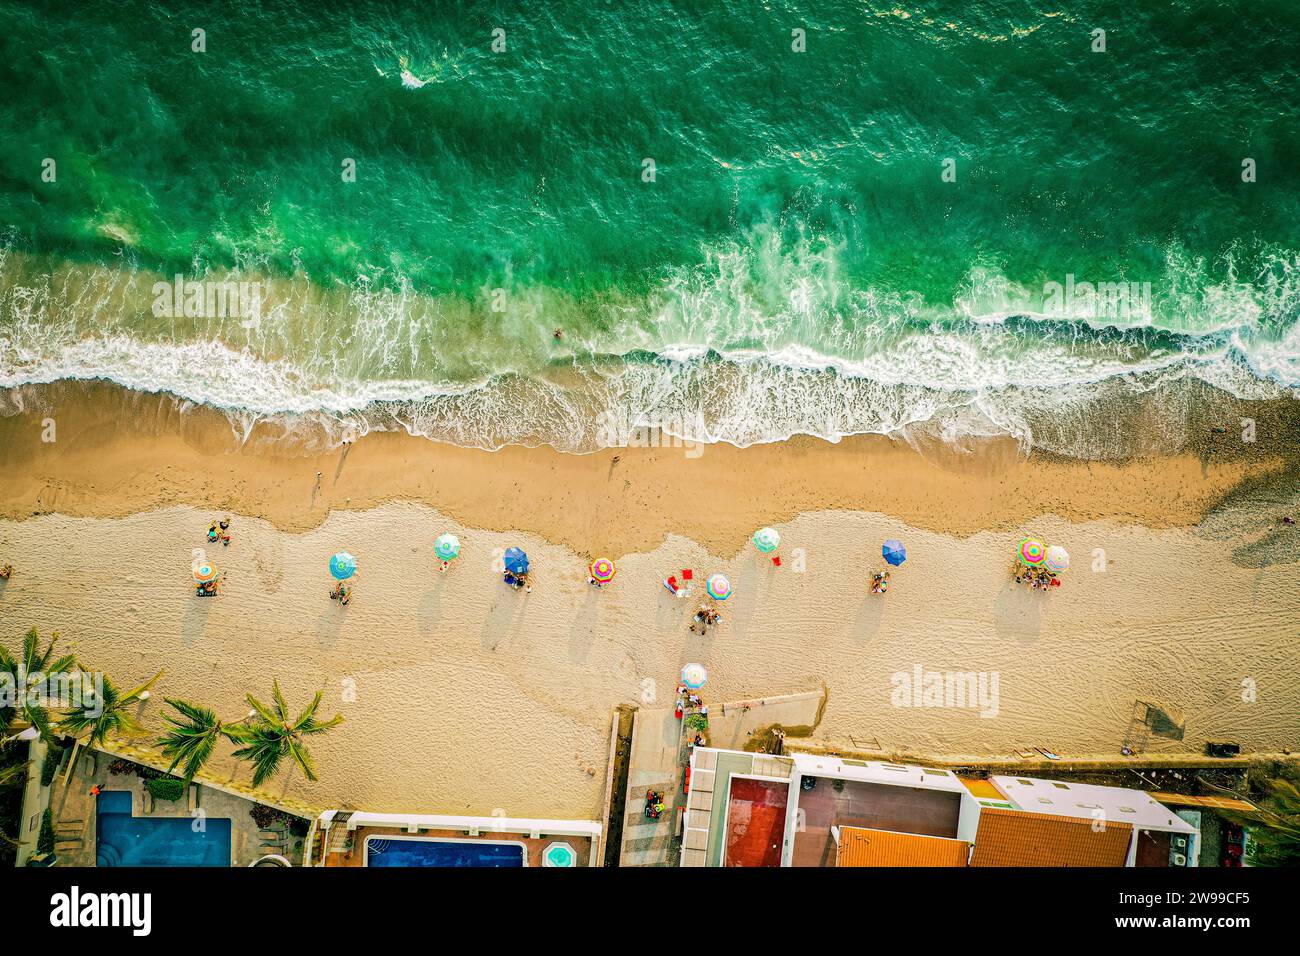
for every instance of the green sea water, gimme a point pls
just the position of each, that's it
(854, 214)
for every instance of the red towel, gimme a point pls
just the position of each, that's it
(776, 559)
(688, 574)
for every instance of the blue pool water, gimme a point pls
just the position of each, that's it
(441, 853)
(126, 840)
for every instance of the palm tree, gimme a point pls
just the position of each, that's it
(272, 736)
(194, 736)
(1275, 830)
(106, 715)
(15, 672)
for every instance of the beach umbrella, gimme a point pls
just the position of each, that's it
(516, 561)
(205, 572)
(1032, 552)
(719, 587)
(343, 566)
(602, 570)
(894, 552)
(447, 546)
(694, 676)
(766, 540)
(1058, 559)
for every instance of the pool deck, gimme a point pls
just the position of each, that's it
(351, 851)
(75, 826)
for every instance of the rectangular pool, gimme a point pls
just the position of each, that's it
(422, 851)
(125, 840)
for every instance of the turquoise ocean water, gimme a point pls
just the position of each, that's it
(797, 264)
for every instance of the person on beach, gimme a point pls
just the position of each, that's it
(701, 620)
(341, 593)
(225, 531)
(6, 571)
(213, 534)
(879, 582)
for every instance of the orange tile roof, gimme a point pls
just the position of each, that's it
(860, 846)
(1019, 838)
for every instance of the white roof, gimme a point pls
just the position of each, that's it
(876, 771)
(1116, 804)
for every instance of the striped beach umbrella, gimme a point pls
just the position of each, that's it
(205, 572)
(447, 546)
(602, 570)
(767, 540)
(516, 561)
(343, 566)
(1032, 552)
(694, 676)
(894, 552)
(1058, 559)
(719, 587)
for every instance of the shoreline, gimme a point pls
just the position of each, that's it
(461, 695)
(117, 453)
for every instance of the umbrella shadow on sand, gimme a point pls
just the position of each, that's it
(196, 619)
(870, 614)
(1018, 613)
(503, 620)
(582, 632)
(329, 626)
(430, 612)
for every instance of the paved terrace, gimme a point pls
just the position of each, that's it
(75, 826)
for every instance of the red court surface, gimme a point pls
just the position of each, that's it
(755, 822)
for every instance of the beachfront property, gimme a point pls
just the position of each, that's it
(360, 839)
(747, 809)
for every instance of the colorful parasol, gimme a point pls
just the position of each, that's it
(1032, 552)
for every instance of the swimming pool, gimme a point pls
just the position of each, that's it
(125, 840)
(421, 851)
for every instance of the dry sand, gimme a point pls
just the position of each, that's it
(473, 698)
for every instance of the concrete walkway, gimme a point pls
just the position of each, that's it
(659, 757)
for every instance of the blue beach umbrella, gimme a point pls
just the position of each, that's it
(894, 552)
(516, 561)
(343, 566)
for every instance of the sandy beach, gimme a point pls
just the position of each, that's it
(462, 695)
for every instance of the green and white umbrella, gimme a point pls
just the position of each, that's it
(447, 546)
(767, 540)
